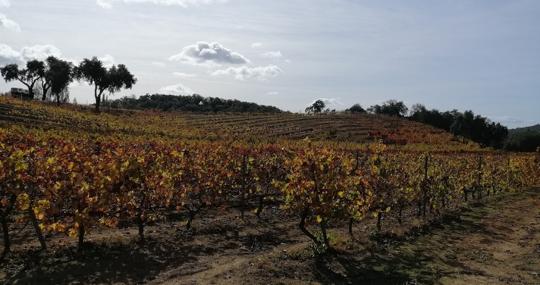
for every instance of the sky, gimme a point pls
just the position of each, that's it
(481, 55)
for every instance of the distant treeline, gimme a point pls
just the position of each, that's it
(466, 124)
(193, 103)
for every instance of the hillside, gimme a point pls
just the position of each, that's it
(530, 129)
(344, 128)
(524, 139)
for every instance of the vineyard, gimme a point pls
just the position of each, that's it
(334, 128)
(69, 172)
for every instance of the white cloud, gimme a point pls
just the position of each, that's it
(108, 4)
(256, 45)
(4, 3)
(9, 55)
(272, 54)
(272, 93)
(246, 72)
(40, 52)
(329, 102)
(9, 24)
(76, 84)
(208, 54)
(184, 75)
(108, 60)
(178, 89)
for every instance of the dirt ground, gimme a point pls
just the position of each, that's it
(493, 242)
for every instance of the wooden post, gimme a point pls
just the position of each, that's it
(479, 179)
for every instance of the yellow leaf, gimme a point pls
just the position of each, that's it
(72, 233)
(40, 216)
(23, 201)
(319, 219)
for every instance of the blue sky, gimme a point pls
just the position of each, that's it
(482, 55)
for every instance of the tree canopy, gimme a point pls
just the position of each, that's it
(112, 79)
(193, 103)
(356, 109)
(59, 74)
(390, 108)
(317, 107)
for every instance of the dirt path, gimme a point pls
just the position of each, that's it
(496, 243)
(502, 245)
(493, 243)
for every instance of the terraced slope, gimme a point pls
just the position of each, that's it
(333, 127)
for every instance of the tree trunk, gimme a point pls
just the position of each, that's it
(97, 95)
(302, 227)
(479, 179)
(191, 216)
(81, 238)
(400, 214)
(37, 229)
(324, 235)
(443, 201)
(30, 90)
(351, 223)
(424, 207)
(379, 221)
(4, 219)
(140, 221)
(243, 189)
(98, 103)
(260, 207)
(7, 240)
(44, 95)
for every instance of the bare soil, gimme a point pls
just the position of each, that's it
(496, 241)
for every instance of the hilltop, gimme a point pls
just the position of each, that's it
(530, 129)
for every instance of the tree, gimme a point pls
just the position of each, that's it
(59, 75)
(112, 80)
(466, 124)
(356, 109)
(317, 107)
(29, 76)
(390, 108)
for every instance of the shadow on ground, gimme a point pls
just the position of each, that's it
(423, 257)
